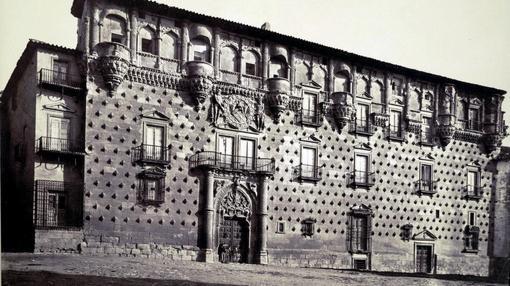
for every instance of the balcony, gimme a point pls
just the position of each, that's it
(395, 133)
(473, 192)
(426, 187)
(308, 172)
(58, 205)
(151, 154)
(309, 117)
(58, 146)
(216, 160)
(360, 179)
(474, 125)
(362, 127)
(61, 81)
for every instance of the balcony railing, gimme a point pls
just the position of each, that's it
(473, 192)
(363, 127)
(309, 117)
(231, 162)
(361, 179)
(395, 132)
(308, 172)
(474, 125)
(58, 205)
(154, 154)
(60, 81)
(58, 145)
(427, 187)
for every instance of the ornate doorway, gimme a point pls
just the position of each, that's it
(233, 240)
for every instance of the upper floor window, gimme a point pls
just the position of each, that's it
(396, 124)
(236, 152)
(308, 169)
(59, 128)
(362, 112)
(309, 112)
(60, 70)
(115, 27)
(229, 60)
(147, 41)
(154, 141)
(426, 184)
(426, 131)
(473, 184)
(278, 67)
(200, 49)
(251, 63)
(169, 46)
(474, 119)
(361, 169)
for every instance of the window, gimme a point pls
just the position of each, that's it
(60, 69)
(359, 231)
(361, 169)
(474, 119)
(154, 142)
(147, 41)
(56, 213)
(226, 151)
(309, 111)
(471, 234)
(341, 82)
(426, 184)
(200, 50)
(246, 153)
(229, 59)
(308, 168)
(115, 27)
(473, 183)
(278, 67)
(471, 218)
(308, 227)
(395, 124)
(426, 131)
(169, 46)
(360, 264)
(152, 189)
(376, 92)
(251, 63)
(362, 122)
(58, 134)
(280, 227)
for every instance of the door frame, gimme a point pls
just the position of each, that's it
(432, 257)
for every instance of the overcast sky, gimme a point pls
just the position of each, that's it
(467, 40)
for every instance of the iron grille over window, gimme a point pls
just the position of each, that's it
(51, 144)
(231, 162)
(152, 191)
(156, 154)
(359, 232)
(60, 81)
(471, 235)
(309, 117)
(363, 127)
(58, 204)
(360, 179)
(308, 227)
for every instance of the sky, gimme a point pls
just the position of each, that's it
(468, 40)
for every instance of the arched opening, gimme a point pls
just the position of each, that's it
(114, 29)
(362, 87)
(251, 63)
(376, 91)
(200, 49)
(169, 46)
(229, 60)
(341, 82)
(278, 67)
(147, 41)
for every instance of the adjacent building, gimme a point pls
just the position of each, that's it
(171, 133)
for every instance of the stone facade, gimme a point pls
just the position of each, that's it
(197, 134)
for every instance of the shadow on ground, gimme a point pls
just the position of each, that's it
(21, 278)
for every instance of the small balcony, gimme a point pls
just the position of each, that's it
(426, 187)
(473, 192)
(360, 179)
(308, 172)
(61, 81)
(309, 117)
(395, 133)
(362, 127)
(216, 160)
(58, 146)
(58, 205)
(474, 125)
(151, 154)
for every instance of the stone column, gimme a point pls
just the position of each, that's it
(86, 40)
(331, 77)
(264, 63)
(206, 211)
(184, 43)
(132, 34)
(292, 71)
(261, 255)
(387, 92)
(94, 22)
(215, 53)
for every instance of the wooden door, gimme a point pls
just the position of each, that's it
(233, 240)
(424, 258)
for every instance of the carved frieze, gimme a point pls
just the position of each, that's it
(380, 119)
(414, 126)
(237, 111)
(468, 136)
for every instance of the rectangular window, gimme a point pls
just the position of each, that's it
(361, 169)
(280, 227)
(147, 46)
(474, 120)
(473, 182)
(246, 154)
(359, 234)
(395, 124)
(226, 151)
(308, 162)
(56, 208)
(154, 142)
(152, 190)
(117, 38)
(250, 69)
(471, 218)
(60, 69)
(58, 133)
(362, 115)
(309, 112)
(426, 178)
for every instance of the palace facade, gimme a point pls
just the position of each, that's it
(168, 133)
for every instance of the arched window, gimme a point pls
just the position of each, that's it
(114, 29)
(319, 76)
(278, 67)
(361, 87)
(251, 63)
(200, 50)
(147, 41)
(376, 91)
(229, 60)
(341, 82)
(169, 46)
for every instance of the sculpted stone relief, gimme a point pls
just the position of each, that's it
(237, 111)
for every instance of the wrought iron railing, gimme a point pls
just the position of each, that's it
(361, 126)
(58, 145)
(474, 125)
(426, 186)
(360, 179)
(309, 172)
(471, 235)
(61, 79)
(395, 131)
(58, 205)
(146, 153)
(309, 116)
(473, 192)
(218, 160)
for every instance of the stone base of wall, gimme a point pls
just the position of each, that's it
(311, 258)
(57, 241)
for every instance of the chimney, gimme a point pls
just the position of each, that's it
(266, 26)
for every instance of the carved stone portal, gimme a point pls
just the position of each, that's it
(237, 112)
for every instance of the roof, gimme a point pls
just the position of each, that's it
(227, 25)
(31, 47)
